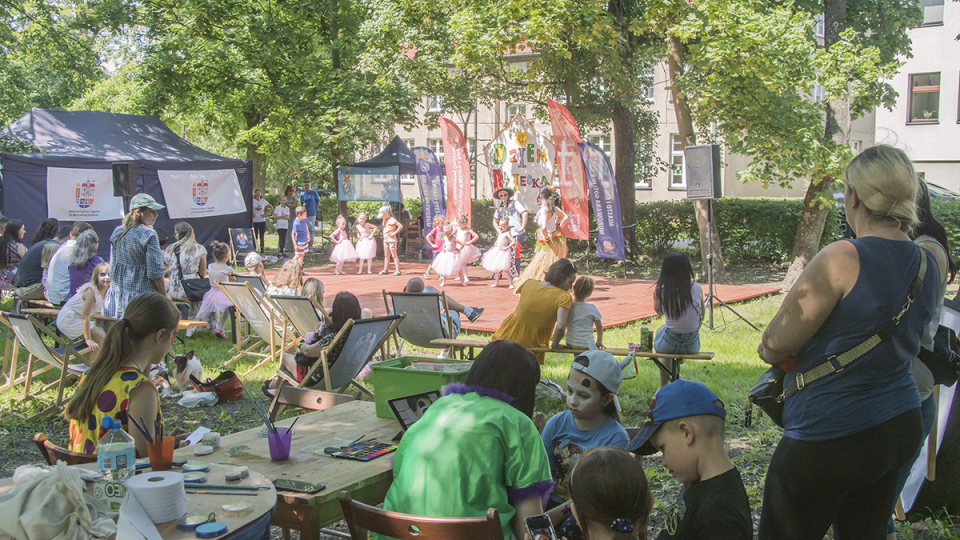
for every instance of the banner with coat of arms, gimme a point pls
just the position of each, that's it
(198, 194)
(82, 195)
(521, 159)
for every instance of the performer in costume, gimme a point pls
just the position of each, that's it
(366, 245)
(449, 261)
(551, 244)
(509, 209)
(469, 253)
(499, 258)
(344, 250)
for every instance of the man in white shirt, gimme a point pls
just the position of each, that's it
(57, 282)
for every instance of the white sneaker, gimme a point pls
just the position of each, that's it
(444, 355)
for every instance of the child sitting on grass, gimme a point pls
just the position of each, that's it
(686, 423)
(584, 317)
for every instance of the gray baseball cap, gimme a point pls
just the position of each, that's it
(142, 200)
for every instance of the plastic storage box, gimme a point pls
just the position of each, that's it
(393, 379)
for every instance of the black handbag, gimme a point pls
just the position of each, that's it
(193, 288)
(769, 392)
(944, 360)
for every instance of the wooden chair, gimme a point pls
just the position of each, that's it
(412, 234)
(270, 337)
(361, 518)
(52, 453)
(315, 400)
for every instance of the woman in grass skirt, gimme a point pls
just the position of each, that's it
(551, 244)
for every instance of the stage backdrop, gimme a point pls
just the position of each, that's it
(521, 159)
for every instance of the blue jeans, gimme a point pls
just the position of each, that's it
(312, 220)
(454, 320)
(670, 342)
(928, 412)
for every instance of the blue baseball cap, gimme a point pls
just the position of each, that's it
(678, 399)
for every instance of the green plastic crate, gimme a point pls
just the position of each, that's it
(391, 380)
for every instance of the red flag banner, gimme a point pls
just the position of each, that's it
(457, 166)
(573, 188)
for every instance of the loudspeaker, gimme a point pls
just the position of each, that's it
(123, 180)
(703, 171)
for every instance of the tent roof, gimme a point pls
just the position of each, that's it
(395, 154)
(108, 137)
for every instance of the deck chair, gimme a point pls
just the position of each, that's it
(360, 341)
(252, 279)
(11, 351)
(270, 337)
(300, 312)
(315, 400)
(425, 321)
(361, 518)
(52, 453)
(29, 331)
(242, 241)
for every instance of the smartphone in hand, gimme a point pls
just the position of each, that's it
(540, 528)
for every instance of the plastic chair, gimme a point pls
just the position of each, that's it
(52, 453)
(361, 518)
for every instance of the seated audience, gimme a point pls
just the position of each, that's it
(288, 280)
(57, 282)
(192, 259)
(75, 319)
(11, 251)
(416, 285)
(28, 285)
(83, 259)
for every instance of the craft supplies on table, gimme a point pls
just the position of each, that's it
(364, 450)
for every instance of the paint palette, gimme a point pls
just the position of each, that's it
(364, 450)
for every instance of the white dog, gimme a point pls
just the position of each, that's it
(187, 365)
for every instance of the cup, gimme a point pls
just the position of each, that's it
(161, 453)
(280, 444)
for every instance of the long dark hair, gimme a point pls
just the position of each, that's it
(607, 485)
(928, 225)
(10, 238)
(345, 306)
(46, 231)
(509, 368)
(559, 272)
(673, 285)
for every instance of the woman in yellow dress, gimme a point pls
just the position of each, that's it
(542, 311)
(551, 243)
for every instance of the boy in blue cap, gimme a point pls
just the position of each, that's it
(686, 423)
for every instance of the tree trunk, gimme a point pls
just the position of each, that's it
(334, 10)
(626, 156)
(837, 130)
(256, 157)
(688, 136)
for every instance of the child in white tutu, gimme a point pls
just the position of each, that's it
(366, 245)
(215, 302)
(344, 250)
(448, 261)
(469, 253)
(499, 258)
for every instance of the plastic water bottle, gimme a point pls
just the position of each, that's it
(116, 452)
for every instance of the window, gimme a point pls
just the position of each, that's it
(818, 93)
(647, 93)
(437, 146)
(924, 98)
(644, 169)
(513, 110)
(434, 103)
(409, 142)
(602, 141)
(932, 12)
(857, 147)
(819, 25)
(677, 176)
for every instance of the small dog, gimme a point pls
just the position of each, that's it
(187, 365)
(158, 374)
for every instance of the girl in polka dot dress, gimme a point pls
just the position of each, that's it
(117, 384)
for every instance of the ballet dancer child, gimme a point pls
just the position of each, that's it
(448, 262)
(499, 258)
(391, 228)
(469, 253)
(366, 245)
(434, 239)
(343, 251)
(215, 302)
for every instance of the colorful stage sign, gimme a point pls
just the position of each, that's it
(573, 189)
(457, 164)
(606, 202)
(430, 179)
(521, 159)
(198, 194)
(82, 195)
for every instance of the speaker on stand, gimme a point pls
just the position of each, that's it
(702, 164)
(124, 182)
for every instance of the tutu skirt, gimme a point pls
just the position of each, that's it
(447, 263)
(470, 254)
(214, 301)
(343, 252)
(497, 260)
(367, 248)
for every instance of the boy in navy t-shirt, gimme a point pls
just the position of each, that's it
(300, 234)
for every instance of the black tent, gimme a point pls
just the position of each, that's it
(93, 140)
(396, 154)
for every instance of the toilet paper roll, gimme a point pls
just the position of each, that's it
(161, 494)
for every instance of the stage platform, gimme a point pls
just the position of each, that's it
(621, 301)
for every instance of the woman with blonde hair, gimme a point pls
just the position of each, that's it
(288, 280)
(83, 259)
(851, 425)
(187, 255)
(136, 262)
(117, 384)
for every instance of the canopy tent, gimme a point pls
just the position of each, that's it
(378, 178)
(72, 179)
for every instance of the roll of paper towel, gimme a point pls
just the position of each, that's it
(161, 494)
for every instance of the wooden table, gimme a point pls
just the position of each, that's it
(263, 503)
(367, 481)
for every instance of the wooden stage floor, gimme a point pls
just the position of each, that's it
(621, 301)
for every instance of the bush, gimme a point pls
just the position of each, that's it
(947, 212)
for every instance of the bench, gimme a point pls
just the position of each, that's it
(672, 372)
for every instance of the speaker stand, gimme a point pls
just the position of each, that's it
(710, 296)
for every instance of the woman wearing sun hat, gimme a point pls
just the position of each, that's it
(136, 262)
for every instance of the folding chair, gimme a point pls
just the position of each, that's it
(252, 279)
(360, 341)
(425, 321)
(28, 331)
(242, 241)
(361, 518)
(269, 334)
(300, 312)
(315, 400)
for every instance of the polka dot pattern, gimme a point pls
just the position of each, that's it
(107, 401)
(88, 447)
(92, 422)
(129, 376)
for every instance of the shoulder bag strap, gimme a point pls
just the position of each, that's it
(176, 252)
(838, 362)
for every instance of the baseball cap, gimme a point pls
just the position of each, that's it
(252, 260)
(678, 399)
(141, 200)
(383, 210)
(603, 367)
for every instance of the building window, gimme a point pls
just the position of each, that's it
(857, 147)
(602, 141)
(409, 142)
(677, 173)
(932, 12)
(819, 25)
(818, 93)
(513, 110)
(434, 103)
(645, 168)
(437, 146)
(925, 97)
(647, 93)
